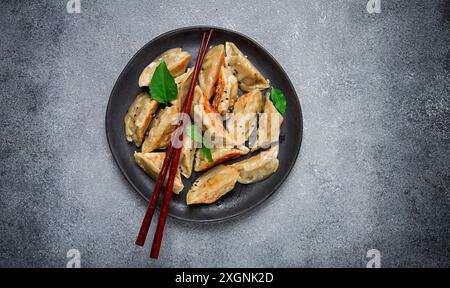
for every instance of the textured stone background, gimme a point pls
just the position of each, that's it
(373, 171)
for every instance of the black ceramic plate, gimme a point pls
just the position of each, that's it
(243, 197)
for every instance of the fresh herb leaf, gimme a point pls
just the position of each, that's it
(278, 99)
(207, 154)
(194, 132)
(162, 86)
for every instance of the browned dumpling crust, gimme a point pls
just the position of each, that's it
(183, 77)
(269, 127)
(176, 61)
(259, 167)
(138, 118)
(209, 73)
(211, 121)
(212, 185)
(250, 102)
(226, 92)
(161, 129)
(183, 83)
(152, 163)
(187, 157)
(249, 78)
(197, 101)
(244, 119)
(219, 155)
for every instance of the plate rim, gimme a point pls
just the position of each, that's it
(297, 100)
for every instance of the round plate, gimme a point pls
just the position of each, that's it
(243, 197)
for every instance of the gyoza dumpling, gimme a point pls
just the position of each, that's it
(249, 78)
(219, 155)
(197, 100)
(258, 167)
(212, 185)
(212, 123)
(244, 118)
(183, 83)
(176, 61)
(226, 92)
(250, 102)
(269, 125)
(183, 77)
(161, 129)
(138, 117)
(214, 59)
(187, 156)
(152, 163)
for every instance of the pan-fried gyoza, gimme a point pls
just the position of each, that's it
(183, 82)
(209, 73)
(161, 129)
(152, 163)
(244, 118)
(176, 61)
(226, 91)
(269, 125)
(258, 167)
(138, 118)
(223, 122)
(219, 155)
(246, 73)
(212, 185)
(187, 157)
(212, 123)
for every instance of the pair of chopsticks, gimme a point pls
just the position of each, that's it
(171, 160)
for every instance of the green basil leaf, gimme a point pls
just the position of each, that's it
(194, 132)
(207, 154)
(278, 99)
(162, 86)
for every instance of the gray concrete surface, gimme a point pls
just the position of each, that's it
(373, 171)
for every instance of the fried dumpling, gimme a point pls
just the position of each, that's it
(152, 163)
(176, 61)
(214, 60)
(244, 118)
(211, 122)
(219, 155)
(249, 78)
(180, 79)
(161, 129)
(187, 156)
(269, 125)
(138, 117)
(257, 168)
(212, 185)
(250, 102)
(183, 82)
(226, 92)
(197, 102)
(183, 89)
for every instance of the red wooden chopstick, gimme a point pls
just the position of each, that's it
(154, 200)
(160, 182)
(169, 154)
(174, 165)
